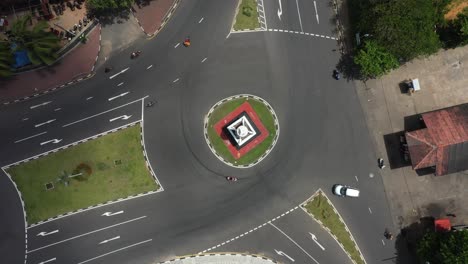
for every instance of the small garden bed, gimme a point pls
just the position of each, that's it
(247, 16)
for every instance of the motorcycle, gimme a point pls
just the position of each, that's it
(231, 179)
(135, 54)
(336, 74)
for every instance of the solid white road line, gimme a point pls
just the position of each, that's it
(85, 234)
(299, 13)
(17, 141)
(47, 261)
(149, 67)
(44, 103)
(117, 96)
(117, 250)
(316, 13)
(200, 20)
(294, 242)
(108, 240)
(177, 45)
(122, 71)
(204, 60)
(46, 122)
(86, 118)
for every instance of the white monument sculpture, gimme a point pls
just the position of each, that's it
(241, 130)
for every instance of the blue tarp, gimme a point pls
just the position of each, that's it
(21, 58)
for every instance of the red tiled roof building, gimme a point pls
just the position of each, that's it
(443, 144)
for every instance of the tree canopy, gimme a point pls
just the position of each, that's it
(406, 28)
(374, 60)
(105, 6)
(6, 59)
(444, 248)
(40, 44)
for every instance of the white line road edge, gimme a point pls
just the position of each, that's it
(107, 111)
(88, 233)
(117, 250)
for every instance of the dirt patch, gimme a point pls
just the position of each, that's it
(455, 8)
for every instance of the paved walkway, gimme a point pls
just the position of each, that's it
(151, 15)
(77, 64)
(221, 258)
(444, 82)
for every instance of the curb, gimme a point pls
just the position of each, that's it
(217, 255)
(6, 167)
(302, 206)
(76, 79)
(248, 96)
(164, 20)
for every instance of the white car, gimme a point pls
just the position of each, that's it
(345, 191)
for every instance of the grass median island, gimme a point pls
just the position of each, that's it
(247, 16)
(100, 170)
(263, 114)
(322, 210)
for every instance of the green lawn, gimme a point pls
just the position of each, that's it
(107, 181)
(321, 209)
(247, 17)
(218, 144)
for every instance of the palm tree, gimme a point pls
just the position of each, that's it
(6, 59)
(40, 44)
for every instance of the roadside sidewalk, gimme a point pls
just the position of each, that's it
(75, 66)
(443, 78)
(152, 15)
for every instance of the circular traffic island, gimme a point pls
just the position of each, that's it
(241, 130)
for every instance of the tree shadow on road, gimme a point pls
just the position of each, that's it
(115, 17)
(348, 68)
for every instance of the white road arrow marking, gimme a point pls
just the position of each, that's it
(316, 13)
(44, 103)
(108, 240)
(281, 253)
(47, 122)
(120, 95)
(280, 10)
(124, 117)
(55, 141)
(47, 261)
(111, 214)
(122, 71)
(47, 233)
(314, 238)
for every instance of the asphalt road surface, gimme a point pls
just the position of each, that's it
(323, 141)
